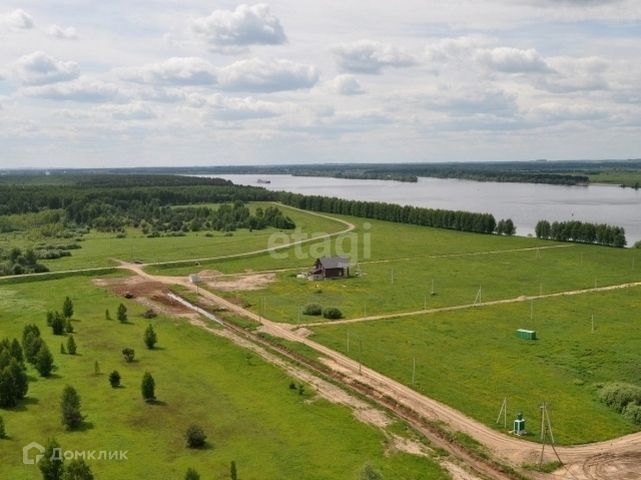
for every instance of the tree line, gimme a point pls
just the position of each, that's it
(449, 219)
(581, 232)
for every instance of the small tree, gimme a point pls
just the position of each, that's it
(67, 308)
(150, 337)
(3, 431)
(192, 474)
(77, 470)
(58, 324)
(62, 349)
(129, 354)
(107, 315)
(122, 313)
(148, 387)
(71, 345)
(114, 379)
(68, 326)
(96, 368)
(44, 361)
(51, 465)
(195, 436)
(233, 473)
(70, 406)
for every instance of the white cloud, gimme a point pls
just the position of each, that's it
(61, 33)
(228, 30)
(174, 71)
(38, 68)
(467, 101)
(513, 60)
(457, 48)
(346, 85)
(561, 112)
(129, 111)
(575, 75)
(267, 76)
(367, 56)
(84, 89)
(236, 109)
(17, 20)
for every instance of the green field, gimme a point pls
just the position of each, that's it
(99, 249)
(471, 359)
(244, 404)
(405, 260)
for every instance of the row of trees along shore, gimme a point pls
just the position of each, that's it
(581, 232)
(449, 219)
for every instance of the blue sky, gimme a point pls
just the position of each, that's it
(85, 83)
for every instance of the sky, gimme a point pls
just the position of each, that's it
(88, 83)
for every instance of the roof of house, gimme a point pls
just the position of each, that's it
(334, 262)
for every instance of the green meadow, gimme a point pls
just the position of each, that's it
(244, 404)
(471, 359)
(100, 249)
(406, 262)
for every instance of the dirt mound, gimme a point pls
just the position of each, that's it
(244, 282)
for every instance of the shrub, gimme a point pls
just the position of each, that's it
(332, 313)
(128, 354)
(150, 314)
(114, 379)
(44, 360)
(312, 309)
(195, 437)
(192, 474)
(618, 395)
(3, 431)
(633, 413)
(71, 345)
(148, 387)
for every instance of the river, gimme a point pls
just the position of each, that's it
(524, 203)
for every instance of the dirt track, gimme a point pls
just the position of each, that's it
(612, 460)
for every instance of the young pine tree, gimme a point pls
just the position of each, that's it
(77, 470)
(232, 471)
(192, 474)
(150, 337)
(51, 465)
(70, 407)
(68, 326)
(67, 308)
(107, 315)
(44, 361)
(63, 350)
(148, 387)
(114, 379)
(71, 345)
(3, 431)
(122, 313)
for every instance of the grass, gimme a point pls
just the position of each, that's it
(244, 404)
(472, 359)
(398, 275)
(99, 249)
(628, 178)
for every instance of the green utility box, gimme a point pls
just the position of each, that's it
(526, 334)
(519, 425)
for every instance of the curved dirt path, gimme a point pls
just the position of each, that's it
(609, 460)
